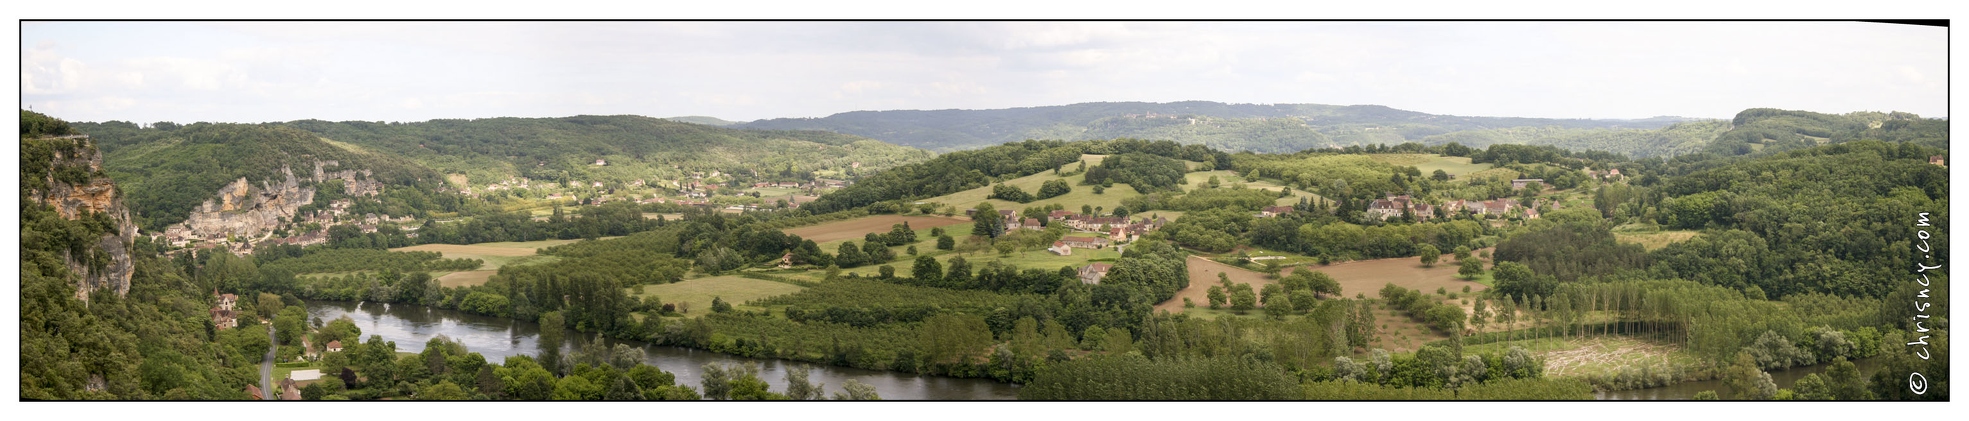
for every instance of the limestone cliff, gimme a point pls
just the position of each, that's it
(108, 265)
(248, 211)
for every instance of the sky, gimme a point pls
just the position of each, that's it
(186, 72)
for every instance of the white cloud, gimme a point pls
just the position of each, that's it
(394, 71)
(44, 72)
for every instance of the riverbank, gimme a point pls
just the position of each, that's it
(410, 326)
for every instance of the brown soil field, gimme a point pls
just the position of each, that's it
(856, 228)
(1203, 274)
(451, 249)
(1369, 276)
(467, 278)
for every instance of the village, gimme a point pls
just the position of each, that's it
(291, 375)
(266, 217)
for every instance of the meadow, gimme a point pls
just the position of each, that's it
(495, 255)
(855, 229)
(695, 295)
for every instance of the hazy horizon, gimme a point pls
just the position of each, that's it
(742, 71)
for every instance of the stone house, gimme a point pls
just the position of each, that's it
(1060, 248)
(1084, 242)
(1093, 272)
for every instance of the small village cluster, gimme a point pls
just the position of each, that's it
(695, 191)
(1089, 232)
(1393, 206)
(225, 316)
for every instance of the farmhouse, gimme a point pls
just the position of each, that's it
(1393, 206)
(223, 319)
(1031, 224)
(1060, 248)
(1941, 160)
(1059, 215)
(1084, 242)
(1271, 211)
(1120, 234)
(335, 346)
(1093, 272)
(1488, 207)
(1091, 223)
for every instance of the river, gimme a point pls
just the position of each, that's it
(1786, 379)
(410, 326)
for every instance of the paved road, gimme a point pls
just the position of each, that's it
(266, 368)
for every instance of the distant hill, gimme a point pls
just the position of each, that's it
(704, 120)
(1768, 130)
(1675, 139)
(632, 147)
(167, 172)
(1235, 127)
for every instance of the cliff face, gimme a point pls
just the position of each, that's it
(249, 211)
(111, 269)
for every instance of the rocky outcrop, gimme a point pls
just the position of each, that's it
(97, 196)
(245, 210)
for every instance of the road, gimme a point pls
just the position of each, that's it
(266, 368)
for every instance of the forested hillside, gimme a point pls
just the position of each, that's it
(1231, 127)
(1768, 130)
(170, 169)
(1676, 139)
(1832, 219)
(964, 170)
(563, 149)
(153, 343)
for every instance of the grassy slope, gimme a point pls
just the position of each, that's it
(1225, 178)
(1429, 163)
(699, 292)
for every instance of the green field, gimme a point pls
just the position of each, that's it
(697, 293)
(1225, 178)
(1081, 195)
(924, 242)
(495, 255)
(1035, 259)
(1429, 163)
(769, 193)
